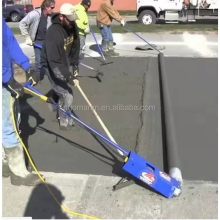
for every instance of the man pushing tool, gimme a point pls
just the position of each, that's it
(60, 58)
(106, 13)
(83, 23)
(12, 151)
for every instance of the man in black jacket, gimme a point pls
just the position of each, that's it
(60, 58)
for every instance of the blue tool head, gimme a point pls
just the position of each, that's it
(151, 175)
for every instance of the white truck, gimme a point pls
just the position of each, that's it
(173, 11)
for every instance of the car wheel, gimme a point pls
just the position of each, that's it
(15, 17)
(147, 17)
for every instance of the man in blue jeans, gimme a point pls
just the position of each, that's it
(34, 26)
(105, 14)
(13, 160)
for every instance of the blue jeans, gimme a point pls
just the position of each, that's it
(106, 33)
(37, 53)
(9, 137)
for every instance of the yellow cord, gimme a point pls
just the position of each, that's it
(29, 157)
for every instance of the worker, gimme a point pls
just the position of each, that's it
(12, 151)
(60, 59)
(33, 27)
(83, 23)
(107, 12)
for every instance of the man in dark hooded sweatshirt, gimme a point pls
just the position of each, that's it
(60, 58)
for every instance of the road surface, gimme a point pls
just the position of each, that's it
(193, 88)
(65, 156)
(133, 19)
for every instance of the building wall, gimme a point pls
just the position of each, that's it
(122, 5)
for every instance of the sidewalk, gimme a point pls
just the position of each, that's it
(92, 195)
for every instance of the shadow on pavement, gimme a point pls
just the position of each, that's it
(27, 131)
(41, 204)
(95, 48)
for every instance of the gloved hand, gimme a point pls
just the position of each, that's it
(87, 31)
(32, 76)
(75, 70)
(15, 88)
(122, 22)
(73, 80)
(28, 41)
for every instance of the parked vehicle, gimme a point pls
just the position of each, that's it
(149, 11)
(14, 12)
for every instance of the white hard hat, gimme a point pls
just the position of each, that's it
(69, 11)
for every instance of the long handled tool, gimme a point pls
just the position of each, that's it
(134, 164)
(153, 46)
(99, 119)
(91, 68)
(100, 50)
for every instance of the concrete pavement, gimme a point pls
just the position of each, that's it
(92, 195)
(176, 45)
(127, 81)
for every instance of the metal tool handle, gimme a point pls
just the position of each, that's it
(28, 85)
(99, 119)
(100, 50)
(140, 37)
(35, 91)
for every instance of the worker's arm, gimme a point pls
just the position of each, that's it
(25, 23)
(75, 50)
(111, 11)
(15, 51)
(54, 51)
(83, 22)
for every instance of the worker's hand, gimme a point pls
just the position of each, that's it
(75, 71)
(76, 82)
(87, 31)
(15, 88)
(73, 80)
(122, 22)
(32, 76)
(28, 41)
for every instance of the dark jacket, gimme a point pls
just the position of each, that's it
(60, 49)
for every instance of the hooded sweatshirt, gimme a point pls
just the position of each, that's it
(60, 49)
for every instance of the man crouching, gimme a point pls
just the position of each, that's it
(60, 58)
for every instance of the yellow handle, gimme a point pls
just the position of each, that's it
(43, 97)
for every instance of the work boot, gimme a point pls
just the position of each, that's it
(111, 49)
(6, 172)
(106, 53)
(105, 50)
(20, 175)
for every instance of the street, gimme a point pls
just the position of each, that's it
(81, 169)
(133, 19)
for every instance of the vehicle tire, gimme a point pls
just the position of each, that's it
(147, 17)
(15, 17)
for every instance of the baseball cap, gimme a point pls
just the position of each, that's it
(69, 11)
(86, 2)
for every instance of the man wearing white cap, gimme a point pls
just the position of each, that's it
(60, 58)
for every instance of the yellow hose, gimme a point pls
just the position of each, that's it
(36, 170)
